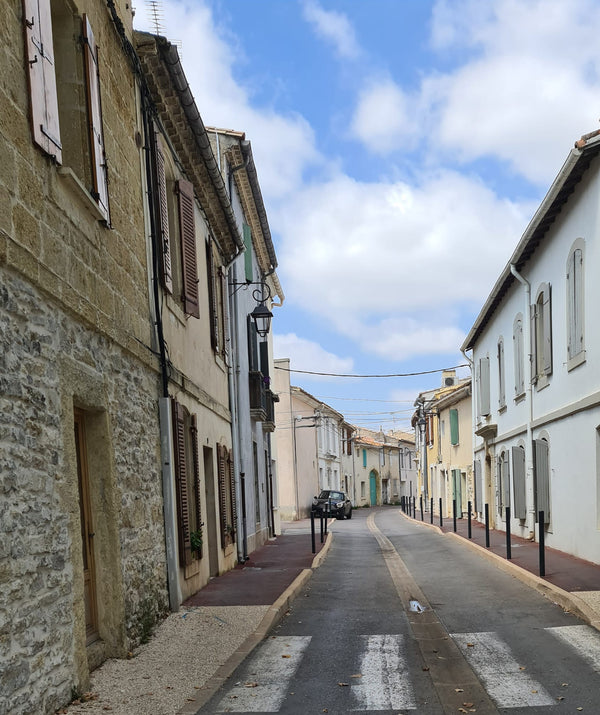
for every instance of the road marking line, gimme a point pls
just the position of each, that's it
(385, 683)
(275, 663)
(585, 640)
(505, 682)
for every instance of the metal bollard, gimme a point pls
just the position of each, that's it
(542, 540)
(312, 530)
(421, 504)
(321, 520)
(469, 507)
(414, 507)
(508, 545)
(441, 515)
(487, 525)
(454, 513)
(431, 511)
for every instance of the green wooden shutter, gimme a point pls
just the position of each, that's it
(454, 426)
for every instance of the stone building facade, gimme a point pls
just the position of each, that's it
(82, 540)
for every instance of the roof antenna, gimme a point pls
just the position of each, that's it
(155, 10)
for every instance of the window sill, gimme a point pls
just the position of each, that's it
(542, 382)
(576, 361)
(502, 409)
(83, 194)
(519, 398)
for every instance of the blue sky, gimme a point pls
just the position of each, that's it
(402, 147)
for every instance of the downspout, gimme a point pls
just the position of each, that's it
(528, 390)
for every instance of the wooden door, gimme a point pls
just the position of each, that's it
(87, 532)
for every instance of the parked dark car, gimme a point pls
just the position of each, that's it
(334, 503)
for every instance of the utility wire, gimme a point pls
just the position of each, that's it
(338, 374)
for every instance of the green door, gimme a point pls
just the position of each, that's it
(373, 488)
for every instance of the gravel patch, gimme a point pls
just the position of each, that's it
(185, 651)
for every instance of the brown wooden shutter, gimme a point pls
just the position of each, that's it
(222, 494)
(194, 436)
(225, 309)
(183, 517)
(42, 77)
(232, 488)
(187, 232)
(212, 297)
(99, 169)
(162, 208)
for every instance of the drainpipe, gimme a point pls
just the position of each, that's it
(473, 417)
(528, 389)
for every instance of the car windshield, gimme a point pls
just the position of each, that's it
(326, 494)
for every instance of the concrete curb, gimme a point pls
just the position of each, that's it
(565, 599)
(275, 613)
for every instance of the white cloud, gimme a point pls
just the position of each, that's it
(307, 355)
(384, 117)
(333, 27)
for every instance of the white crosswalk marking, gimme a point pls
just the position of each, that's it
(506, 683)
(583, 639)
(274, 665)
(385, 683)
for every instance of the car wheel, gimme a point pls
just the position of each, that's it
(349, 514)
(340, 514)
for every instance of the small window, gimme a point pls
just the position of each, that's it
(454, 427)
(364, 457)
(227, 506)
(541, 332)
(501, 375)
(575, 306)
(518, 355)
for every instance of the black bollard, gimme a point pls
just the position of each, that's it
(542, 543)
(312, 530)
(469, 519)
(421, 504)
(454, 513)
(321, 522)
(414, 507)
(441, 515)
(487, 525)
(431, 511)
(508, 545)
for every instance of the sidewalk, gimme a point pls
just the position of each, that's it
(571, 582)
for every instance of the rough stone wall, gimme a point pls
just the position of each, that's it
(38, 541)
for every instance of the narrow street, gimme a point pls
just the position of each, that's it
(399, 619)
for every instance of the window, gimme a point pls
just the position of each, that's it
(518, 470)
(575, 309)
(187, 484)
(227, 506)
(483, 392)
(518, 354)
(501, 375)
(541, 332)
(364, 457)
(65, 91)
(541, 478)
(217, 291)
(362, 490)
(453, 426)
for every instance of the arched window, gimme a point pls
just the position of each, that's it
(575, 305)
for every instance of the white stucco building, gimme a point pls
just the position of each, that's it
(535, 348)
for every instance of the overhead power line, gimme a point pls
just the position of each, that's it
(400, 374)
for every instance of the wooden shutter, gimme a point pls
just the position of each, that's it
(232, 491)
(162, 212)
(518, 470)
(183, 516)
(43, 97)
(248, 252)
(505, 480)
(541, 478)
(222, 494)
(189, 260)
(212, 296)
(477, 486)
(518, 356)
(575, 303)
(501, 374)
(99, 169)
(453, 426)
(197, 492)
(484, 386)
(547, 328)
(225, 313)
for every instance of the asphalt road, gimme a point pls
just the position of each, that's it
(399, 619)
